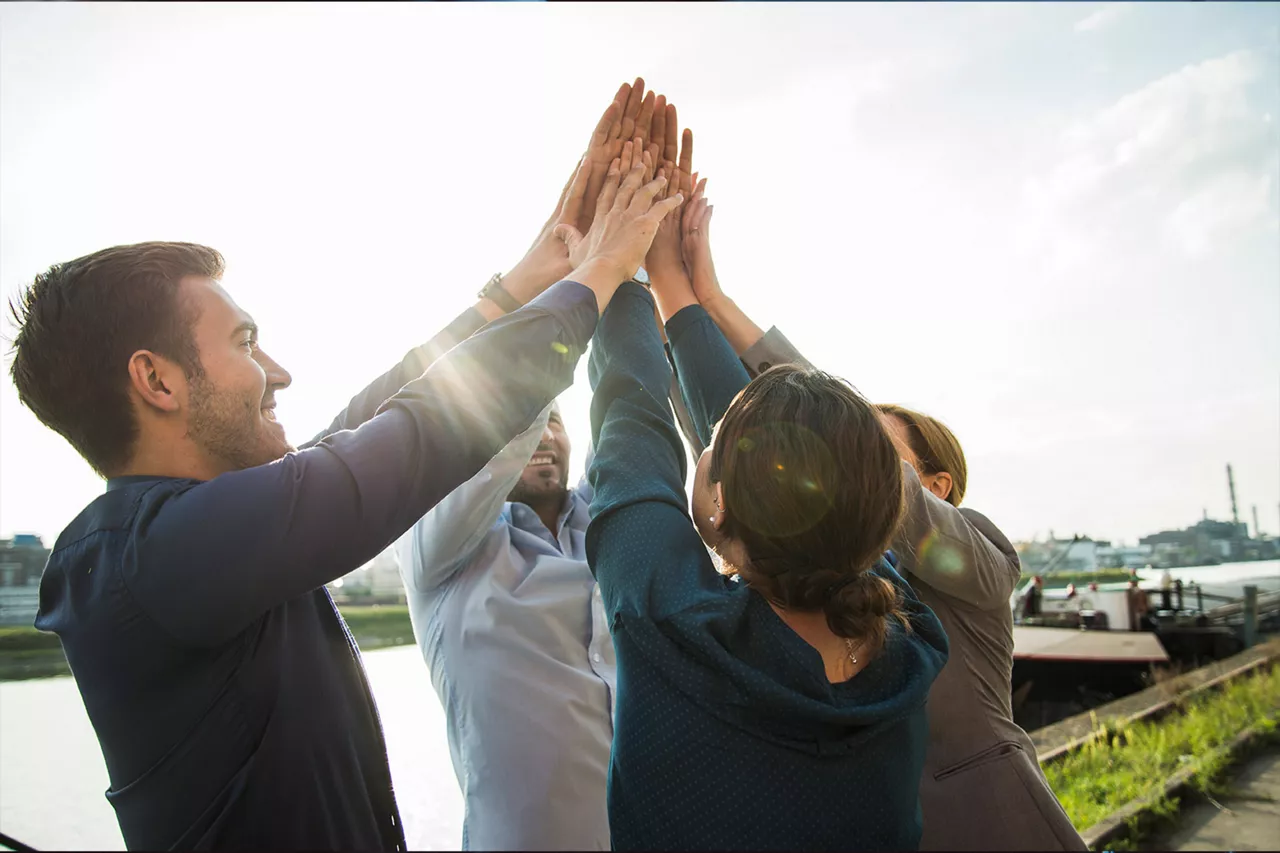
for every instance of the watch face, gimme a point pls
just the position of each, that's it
(641, 276)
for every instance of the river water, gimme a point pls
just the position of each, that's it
(52, 777)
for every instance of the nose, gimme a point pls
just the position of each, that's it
(277, 377)
(548, 437)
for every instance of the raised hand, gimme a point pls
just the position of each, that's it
(695, 246)
(740, 330)
(619, 124)
(627, 215)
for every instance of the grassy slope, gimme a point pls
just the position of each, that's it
(1121, 766)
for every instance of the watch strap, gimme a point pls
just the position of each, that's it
(495, 293)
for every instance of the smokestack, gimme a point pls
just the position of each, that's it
(1257, 531)
(1231, 485)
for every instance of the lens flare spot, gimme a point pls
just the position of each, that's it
(940, 556)
(780, 467)
(559, 347)
(746, 445)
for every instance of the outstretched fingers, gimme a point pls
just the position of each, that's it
(632, 109)
(571, 201)
(642, 201)
(686, 161)
(631, 182)
(660, 210)
(610, 190)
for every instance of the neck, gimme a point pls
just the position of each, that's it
(159, 459)
(548, 510)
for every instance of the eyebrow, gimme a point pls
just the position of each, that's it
(247, 326)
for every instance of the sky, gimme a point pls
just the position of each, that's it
(1054, 226)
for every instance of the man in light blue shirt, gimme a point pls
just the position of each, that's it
(513, 630)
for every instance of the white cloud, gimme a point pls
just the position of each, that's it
(1189, 148)
(1233, 203)
(1105, 16)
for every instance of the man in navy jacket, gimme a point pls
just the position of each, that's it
(226, 692)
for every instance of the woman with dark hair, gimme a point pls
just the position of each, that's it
(982, 787)
(777, 703)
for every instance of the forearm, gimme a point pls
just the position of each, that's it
(443, 539)
(322, 512)
(710, 374)
(641, 543)
(739, 329)
(414, 364)
(672, 291)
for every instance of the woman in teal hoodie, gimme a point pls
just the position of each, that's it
(778, 702)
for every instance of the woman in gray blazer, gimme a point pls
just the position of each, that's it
(982, 787)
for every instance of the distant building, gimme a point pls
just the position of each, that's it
(1125, 556)
(22, 560)
(1207, 542)
(377, 580)
(1078, 554)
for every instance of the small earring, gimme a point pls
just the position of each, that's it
(711, 518)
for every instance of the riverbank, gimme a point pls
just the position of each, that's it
(1245, 815)
(1129, 764)
(27, 653)
(1060, 580)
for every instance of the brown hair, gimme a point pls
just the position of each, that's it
(81, 321)
(935, 446)
(813, 490)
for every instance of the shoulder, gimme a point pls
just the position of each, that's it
(992, 533)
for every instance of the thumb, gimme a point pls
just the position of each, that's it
(570, 235)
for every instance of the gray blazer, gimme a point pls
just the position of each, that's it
(982, 787)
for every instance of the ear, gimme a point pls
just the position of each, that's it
(717, 520)
(940, 484)
(157, 382)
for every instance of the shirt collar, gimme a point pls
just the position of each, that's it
(134, 479)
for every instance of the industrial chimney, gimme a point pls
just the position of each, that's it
(1231, 485)
(1257, 531)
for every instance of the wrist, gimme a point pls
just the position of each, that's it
(716, 304)
(524, 285)
(602, 275)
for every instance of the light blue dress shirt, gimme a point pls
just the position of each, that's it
(513, 631)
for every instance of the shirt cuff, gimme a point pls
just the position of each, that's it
(773, 348)
(574, 305)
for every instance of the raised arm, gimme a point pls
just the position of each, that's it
(641, 543)
(211, 559)
(545, 263)
(366, 404)
(443, 540)
(956, 551)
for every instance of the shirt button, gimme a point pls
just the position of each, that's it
(595, 656)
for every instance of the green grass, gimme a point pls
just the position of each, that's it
(380, 625)
(1080, 579)
(21, 638)
(28, 653)
(1122, 765)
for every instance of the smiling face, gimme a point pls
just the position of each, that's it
(231, 401)
(545, 480)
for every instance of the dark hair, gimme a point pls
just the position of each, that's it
(936, 447)
(81, 321)
(813, 490)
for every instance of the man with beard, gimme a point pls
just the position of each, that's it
(226, 693)
(508, 616)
